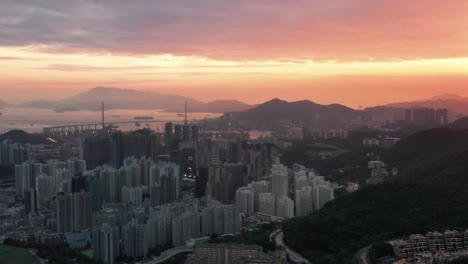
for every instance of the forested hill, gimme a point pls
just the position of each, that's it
(431, 193)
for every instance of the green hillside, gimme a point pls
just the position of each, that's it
(430, 194)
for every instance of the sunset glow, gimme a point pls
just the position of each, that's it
(326, 51)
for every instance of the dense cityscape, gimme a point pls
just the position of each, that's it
(234, 132)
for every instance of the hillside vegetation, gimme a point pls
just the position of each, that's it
(430, 194)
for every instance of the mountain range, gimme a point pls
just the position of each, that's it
(116, 98)
(456, 104)
(305, 112)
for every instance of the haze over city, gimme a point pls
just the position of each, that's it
(357, 52)
(234, 132)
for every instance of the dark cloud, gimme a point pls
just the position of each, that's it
(240, 29)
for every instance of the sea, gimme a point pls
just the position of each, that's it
(33, 120)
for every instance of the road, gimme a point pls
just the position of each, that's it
(168, 254)
(363, 255)
(294, 256)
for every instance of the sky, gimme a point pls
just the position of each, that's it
(354, 52)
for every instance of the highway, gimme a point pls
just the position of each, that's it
(294, 256)
(168, 254)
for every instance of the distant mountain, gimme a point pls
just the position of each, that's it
(456, 104)
(448, 96)
(307, 112)
(45, 104)
(116, 98)
(221, 106)
(19, 136)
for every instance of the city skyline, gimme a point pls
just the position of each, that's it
(324, 51)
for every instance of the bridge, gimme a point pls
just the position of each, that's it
(81, 128)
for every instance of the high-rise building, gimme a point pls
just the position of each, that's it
(279, 179)
(96, 150)
(200, 182)
(44, 189)
(78, 183)
(76, 167)
(82, 210)
(323, 193)
(426, 117)
(188, 163)
(93, 186)
(224, 180)
(30, 201)
(185, 227)
(25, 176)
(245, 200)
(186, 132)
(134, 241)
(194, 133)
(106, 244)
(304, 201)
(109, 179)
(258, 188)
(155, 195)
(138, 144)
(64, 212)
(14, 153)
(178, 132)
(267, 203)
(167, 176)
(231, 219)
(284, 207)
(168, 133)
(132, 195)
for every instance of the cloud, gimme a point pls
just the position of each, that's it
(11, 58)
(342, 30)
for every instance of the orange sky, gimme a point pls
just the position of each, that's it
(355, 52)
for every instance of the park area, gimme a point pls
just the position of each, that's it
(15, 255)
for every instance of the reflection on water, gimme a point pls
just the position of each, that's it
(34, 120)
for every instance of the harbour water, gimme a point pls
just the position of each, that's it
(34, 120)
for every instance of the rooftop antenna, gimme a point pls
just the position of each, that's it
(102, 112)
